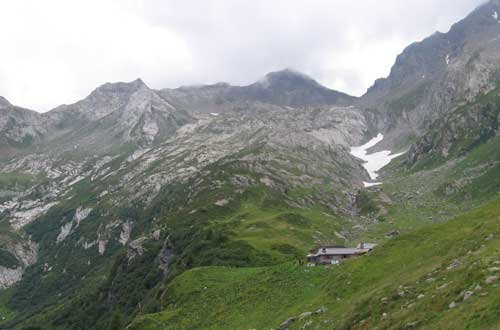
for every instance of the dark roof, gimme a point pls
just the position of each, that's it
(328, 250)
(336, 251)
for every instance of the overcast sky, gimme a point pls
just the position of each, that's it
(58, 51)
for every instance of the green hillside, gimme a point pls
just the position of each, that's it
(411, 281)
(195, 208)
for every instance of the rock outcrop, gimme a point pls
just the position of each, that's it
(431, 77)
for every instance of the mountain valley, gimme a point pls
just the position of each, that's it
(195, 207)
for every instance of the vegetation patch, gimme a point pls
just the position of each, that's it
(410, 280)
(8, 260)
(295, 220)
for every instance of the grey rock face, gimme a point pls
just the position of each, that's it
(116, 114)
(282, 88)
(19, 128)
(80, 215)
(294, 89)
(283, 132)
(287, 147)
(123, 113)
(9, 277)
(4, 103)
(113, 114)
(165, 256)
(26, 254)
(432, 76)
(459, 131)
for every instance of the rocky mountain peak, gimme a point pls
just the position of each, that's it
(4, 103)
(432, 76)
(291, 88)
(282, 88)
(286, 79)
(109, 98)
(490, 12)
(125, 88)
(114, 113)
(495, 4)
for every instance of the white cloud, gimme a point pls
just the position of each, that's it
(56, 51)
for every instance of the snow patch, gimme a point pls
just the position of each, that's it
(495, 16)
(215, 114)
(448, 59)
(375, 161)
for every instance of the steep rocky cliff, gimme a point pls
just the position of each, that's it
(459, 131)
(433, 76)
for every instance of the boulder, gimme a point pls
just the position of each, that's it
(467, 295)
(491, 279)
(287, 323)
(320, 310)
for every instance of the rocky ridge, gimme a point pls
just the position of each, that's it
(287, 88)
(130, 173)
(435, 75)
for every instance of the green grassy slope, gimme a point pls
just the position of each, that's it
(408, 282)
(235, 242)
(257, 227)
(84, 290)
(417, 198)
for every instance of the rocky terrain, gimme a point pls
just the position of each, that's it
(289, 148)
(124, 208)
(431, 77)
(283, 88)
(459, 131)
